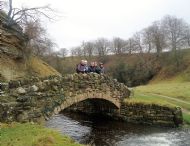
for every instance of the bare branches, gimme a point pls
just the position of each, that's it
(23, 15)
(102, 46)
(118, 45)
(10, 8)
(1, 4)
(39, 43)
(175, 30)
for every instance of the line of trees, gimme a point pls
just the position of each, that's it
(168, 34)
(148, 51)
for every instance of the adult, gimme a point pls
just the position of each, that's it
(97, 68)
(85, 66)
(91, 68)
(102, 69)
(80, 68)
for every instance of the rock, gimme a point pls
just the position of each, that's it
(14, 84)
(23, 99)
(115, 80)
(4, 86)
(178, 118)
(55, 88)
(23, 117)
(21, 90)
(41, 86)
(34, 88)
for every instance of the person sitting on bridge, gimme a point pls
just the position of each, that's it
(86, 66)
(102, 69)
(91, 68)
(97, 68)
(80, 68)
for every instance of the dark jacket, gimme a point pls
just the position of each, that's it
(102, 70)
(97, 70)
(91, 69)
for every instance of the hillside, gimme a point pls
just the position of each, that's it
(169, 71)
(11, 69)
(13, 62)
(135, 69)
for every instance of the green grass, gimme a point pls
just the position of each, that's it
(186, 118)
(152, 93)
(32, 135)
(145, 98)
(180, 90)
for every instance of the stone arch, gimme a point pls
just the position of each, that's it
(69, 101)
(43, 97)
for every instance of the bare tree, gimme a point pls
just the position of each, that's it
(1, 5)
(188, 36)
(88, 48)
(34, 30)
(63, 52)
(22, 15)
(158, 37)
(102, 46)
(73, 52)
(76, 51)
(147, 38)
(175, 30)
(138, 46)
(130, 46)
(38, 42)
(118, 45)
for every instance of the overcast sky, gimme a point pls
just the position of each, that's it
(92, 19)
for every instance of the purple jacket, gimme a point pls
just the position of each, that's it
(81, 68)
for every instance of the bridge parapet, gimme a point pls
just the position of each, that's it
(72, 84)
(43, 97)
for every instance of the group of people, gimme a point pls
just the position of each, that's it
(83, 67)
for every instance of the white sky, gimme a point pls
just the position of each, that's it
(92, 19)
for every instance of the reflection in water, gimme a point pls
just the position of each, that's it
(99, 131)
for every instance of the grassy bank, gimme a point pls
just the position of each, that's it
(32, 135)
(166, 93)
(11, 69)
(179, 90)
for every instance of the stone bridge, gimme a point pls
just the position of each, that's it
(32, 99)
(37, 99)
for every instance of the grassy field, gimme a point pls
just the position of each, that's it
(32, 135)
(166, 93)
(180, 90)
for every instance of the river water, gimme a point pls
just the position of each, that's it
(100, 131)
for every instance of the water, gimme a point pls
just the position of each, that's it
(101, 131)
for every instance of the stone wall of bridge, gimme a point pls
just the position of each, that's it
(37, 99)
(151, 114)
(130, 112)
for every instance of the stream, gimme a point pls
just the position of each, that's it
(97, 130)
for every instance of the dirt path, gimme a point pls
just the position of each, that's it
(172, 98)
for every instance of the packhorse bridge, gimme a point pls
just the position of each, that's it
(36, 99)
